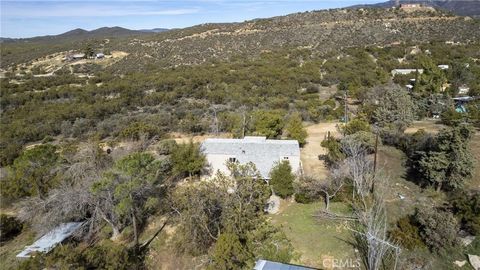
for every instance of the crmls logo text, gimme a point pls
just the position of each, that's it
(341, 263)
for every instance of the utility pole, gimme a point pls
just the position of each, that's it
(215, 121)
(243, 126)
(375, 157)
(345, 117)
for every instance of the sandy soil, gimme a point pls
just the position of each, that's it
(429, 125)
(54, 62)
(312, 165)
(182, 138)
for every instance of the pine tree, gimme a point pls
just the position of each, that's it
(229, 253)
(281, 179)
(187, 159)
(450, 162)
(295, 129)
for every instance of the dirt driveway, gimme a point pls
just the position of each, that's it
(309, 153)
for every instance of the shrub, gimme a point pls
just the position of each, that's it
(451, 117)
(407, 233)
(466, 208)
(166, 147)
(334, 153)
(9, 227)
(281, 179)
(135, 130)
(32, 173)
(295, 129)
(438, 229)
(303, 198)
(355, 126)
(188, 159)
(365, 139)
(229, 253)
(268, 123)
(104, 255)
(312, 89)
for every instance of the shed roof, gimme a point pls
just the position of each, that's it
(269, 265)
(404, 71)
(258, 150)
(51, 239)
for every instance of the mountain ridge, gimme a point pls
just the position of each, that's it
(457, 7)
(321, 31)
(82, 33)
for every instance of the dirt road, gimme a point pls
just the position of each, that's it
(309, 153)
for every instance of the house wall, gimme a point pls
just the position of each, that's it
(218, 162)
(294, 163)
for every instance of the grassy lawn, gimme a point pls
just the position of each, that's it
(314, 239)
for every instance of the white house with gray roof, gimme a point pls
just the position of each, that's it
(258, 150)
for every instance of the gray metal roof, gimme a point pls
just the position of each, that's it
(269, 265)
(262, 152)
(51, 239)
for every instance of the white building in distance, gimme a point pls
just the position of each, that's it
(405, 71)
(258, 150)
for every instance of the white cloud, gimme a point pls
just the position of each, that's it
(89, 9)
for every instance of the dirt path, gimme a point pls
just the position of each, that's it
(309, 153)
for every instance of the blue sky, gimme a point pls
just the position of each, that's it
(23, 18)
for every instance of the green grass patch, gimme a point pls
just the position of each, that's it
(313, 238)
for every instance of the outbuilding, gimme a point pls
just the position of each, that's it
(78, 56)
(405, 71)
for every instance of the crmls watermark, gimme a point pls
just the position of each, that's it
(331, 263)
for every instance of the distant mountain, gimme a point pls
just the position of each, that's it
(103, 32)
(2, 39)
(322, 31)
(457, 7)
(154, 30)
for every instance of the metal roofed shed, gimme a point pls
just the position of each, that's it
(50, 240)
(405, 71)
(269, 265)
(258, 150)
(78, 56)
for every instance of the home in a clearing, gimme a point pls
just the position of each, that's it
(408, 5)
(78, 56)
(405, 71)
(258, 150)
(50, 240)
(443, 67)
